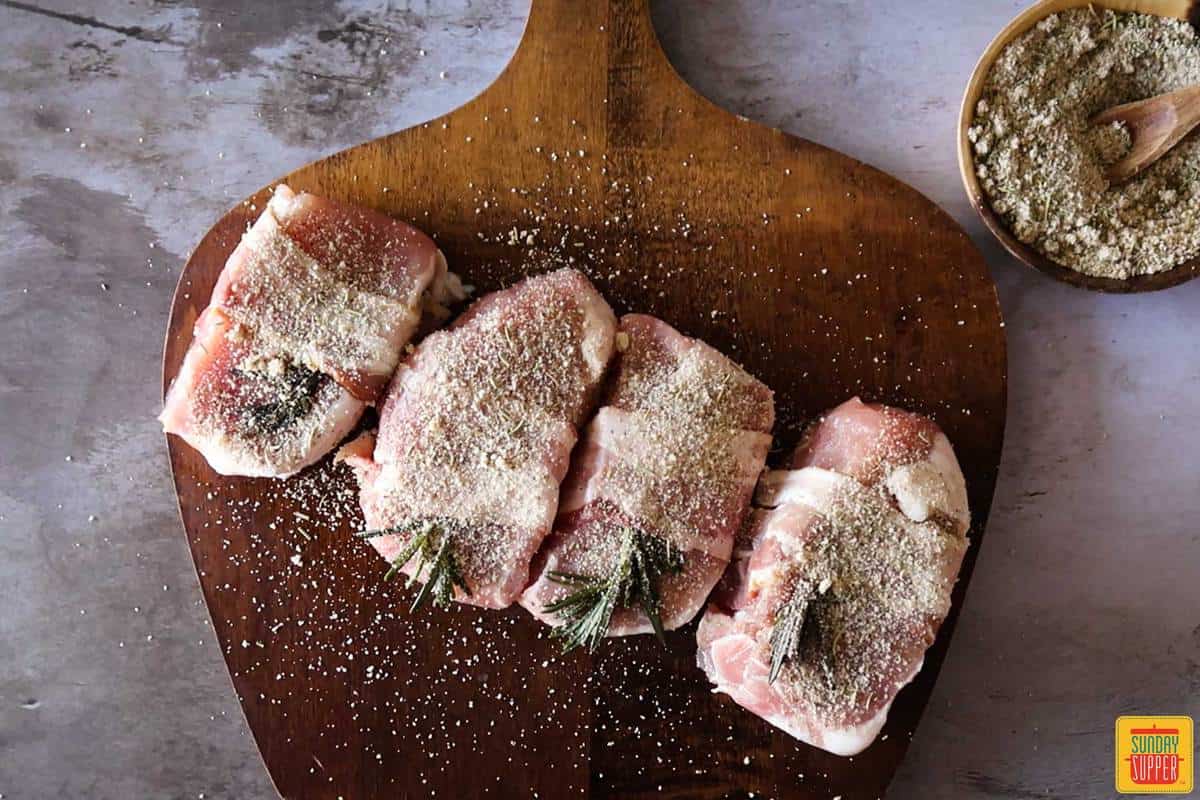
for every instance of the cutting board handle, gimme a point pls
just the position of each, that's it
(573, 45)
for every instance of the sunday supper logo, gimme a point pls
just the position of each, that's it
(1154, 755)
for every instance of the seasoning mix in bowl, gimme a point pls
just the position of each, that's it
(1041, 162)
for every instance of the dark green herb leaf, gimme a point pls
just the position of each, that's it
(785, 636)
(432, 544)
(586, 613)
(294, 393)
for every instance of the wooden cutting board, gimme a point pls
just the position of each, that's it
(825, 277)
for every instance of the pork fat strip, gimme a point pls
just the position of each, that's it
(656, 492)
(841, 578)
(476, 435)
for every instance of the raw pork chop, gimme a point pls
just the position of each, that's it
(476, 435)
(842, 578)
(667, 467)
(307, 319)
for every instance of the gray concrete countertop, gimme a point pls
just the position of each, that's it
(128, 127)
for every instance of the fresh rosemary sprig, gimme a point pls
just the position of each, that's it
(586, 613)
(432, 543)
(785, 636)
(295, 391)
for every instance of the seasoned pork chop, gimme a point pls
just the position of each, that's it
(477, 432)
(841, 578)
(308, 319)
(668, 465)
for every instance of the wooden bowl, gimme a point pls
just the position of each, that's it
(1188, 10)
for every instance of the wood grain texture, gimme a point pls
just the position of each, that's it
(825, 277)
(1176, 9)
(1156, 124)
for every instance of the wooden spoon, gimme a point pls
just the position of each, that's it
(1155, 125)
(825, 277)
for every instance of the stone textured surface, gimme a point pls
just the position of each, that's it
(126, 128)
